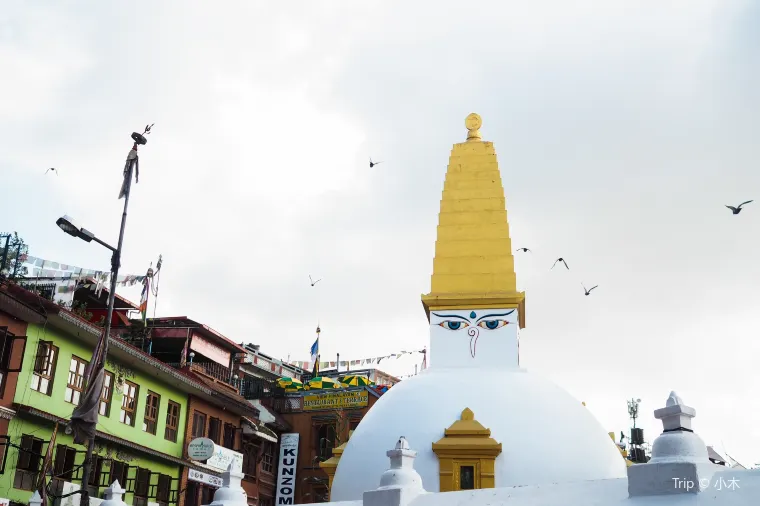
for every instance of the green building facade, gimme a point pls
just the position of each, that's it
(141, 427)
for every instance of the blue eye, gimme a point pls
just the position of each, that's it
(492, 324)
(453, 325)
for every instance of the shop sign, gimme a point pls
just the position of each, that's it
(223, 457)
(286, 477)
(337, 400)
(201, 448)
(208, 479)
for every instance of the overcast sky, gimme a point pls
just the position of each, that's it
(622, 130)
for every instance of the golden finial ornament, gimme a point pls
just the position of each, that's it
(473, 122)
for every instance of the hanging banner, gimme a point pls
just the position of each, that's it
(286, 477)
(337, 400)
(223, 457)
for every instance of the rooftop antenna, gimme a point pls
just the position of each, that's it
(633, 410)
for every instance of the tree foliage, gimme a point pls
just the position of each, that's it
(13, 251)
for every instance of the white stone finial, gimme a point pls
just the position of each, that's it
(400, 484)
(36, 500)
(675, 415)
(678, 456)
(114, 495)
(231, 492)
(673, 399)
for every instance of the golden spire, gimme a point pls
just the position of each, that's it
(473, 265)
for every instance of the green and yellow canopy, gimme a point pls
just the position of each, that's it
(290, 384)
(355, 380)
(321, 382)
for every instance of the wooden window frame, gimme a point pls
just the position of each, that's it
(197, 430)
(106, 395)
(6, 355)
(123, 477)
(75, 389)
(228, 429)
(44, 367)
(64, 462)
(125, 411)
(163, 484)
(324, 450)
(215, 435)
(267, 459)
(250, 459)
(151, 412)
(138, 497)
(25, 477)
(172, 421)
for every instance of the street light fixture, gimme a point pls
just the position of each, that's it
(87, 410)
(68, 225)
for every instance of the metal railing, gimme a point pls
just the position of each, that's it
(252, 387)
(287, 404)
(212, 369)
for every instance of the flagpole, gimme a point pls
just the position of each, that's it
(99, 362)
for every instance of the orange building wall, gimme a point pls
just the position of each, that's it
(211, 411)
(308, 446)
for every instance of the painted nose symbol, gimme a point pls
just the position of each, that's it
(473, 333)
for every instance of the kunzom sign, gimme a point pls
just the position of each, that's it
(337, 400)
(286, 478)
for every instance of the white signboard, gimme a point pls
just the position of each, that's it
(286, 476)
(223, 457)
(200, 448)
(208, 479)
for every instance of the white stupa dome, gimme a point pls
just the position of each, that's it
(547, 436)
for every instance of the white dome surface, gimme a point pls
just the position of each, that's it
(547, 436)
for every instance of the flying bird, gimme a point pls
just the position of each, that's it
(560, 259)
(738, 209)
(56, 172)
(314, 282)
(524, 250)
(372, 164)
(588, 290)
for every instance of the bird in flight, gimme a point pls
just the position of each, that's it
(560, 259)
(56, 172)
(738, 209)
(372, 164)
(314, 282)
(524, 250)
(588, 290)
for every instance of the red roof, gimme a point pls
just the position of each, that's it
(208, 330)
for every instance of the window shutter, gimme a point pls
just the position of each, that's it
(59, 467)
(40, 360)
(24, 458)
(15, 342)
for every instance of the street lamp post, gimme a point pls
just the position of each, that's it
(69, 226)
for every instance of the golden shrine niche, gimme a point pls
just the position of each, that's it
(466, 455)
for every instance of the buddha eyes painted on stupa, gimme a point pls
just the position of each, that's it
(461, 322)
(453, 325)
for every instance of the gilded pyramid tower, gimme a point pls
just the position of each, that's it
(473, 265)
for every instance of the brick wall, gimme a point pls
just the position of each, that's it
(211, 411)
(306, 424)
